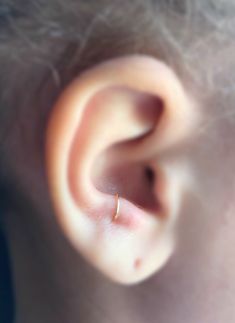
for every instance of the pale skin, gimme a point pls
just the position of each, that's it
(166, 259)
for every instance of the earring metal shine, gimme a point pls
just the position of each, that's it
(116, 213)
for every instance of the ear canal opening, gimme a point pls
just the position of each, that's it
(150, 175)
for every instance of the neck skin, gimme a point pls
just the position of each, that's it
(53, 284)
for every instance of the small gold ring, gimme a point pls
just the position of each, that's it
(116, 214)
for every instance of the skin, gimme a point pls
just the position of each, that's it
(53, 283)
(98, 123)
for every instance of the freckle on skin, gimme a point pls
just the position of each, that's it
(138, 263)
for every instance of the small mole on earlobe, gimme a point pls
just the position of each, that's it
(138, 263)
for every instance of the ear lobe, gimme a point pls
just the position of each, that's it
(108, 127)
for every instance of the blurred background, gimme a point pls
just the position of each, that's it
(6, 294)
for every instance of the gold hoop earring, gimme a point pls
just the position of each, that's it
(116, 214)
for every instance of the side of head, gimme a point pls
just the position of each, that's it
(98, 104)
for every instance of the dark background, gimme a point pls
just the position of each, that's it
(6, 295)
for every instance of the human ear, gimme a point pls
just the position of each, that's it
(110, 132)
